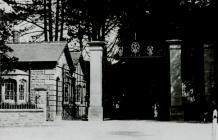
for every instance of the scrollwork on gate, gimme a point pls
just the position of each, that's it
(150, 50)
(135, 48)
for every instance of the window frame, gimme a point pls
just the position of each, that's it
(68, 86)
(10, 95)
(23, 92)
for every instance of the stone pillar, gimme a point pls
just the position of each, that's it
(1, 85)
(95, 109)
(209, 72)
(176, 111)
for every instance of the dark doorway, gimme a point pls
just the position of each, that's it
(133, 86)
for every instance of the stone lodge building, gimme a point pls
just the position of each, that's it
(46, 81)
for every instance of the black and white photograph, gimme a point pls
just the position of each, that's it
(108, 69)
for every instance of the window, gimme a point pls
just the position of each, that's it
(57, 95)
(10, 89)
(66, 92)
(68, 85)
(79, 93)
(68, 89)
(22, 89)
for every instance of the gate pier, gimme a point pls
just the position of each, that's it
(176, 111)
(95, 112)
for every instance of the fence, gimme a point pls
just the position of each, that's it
(33, 103)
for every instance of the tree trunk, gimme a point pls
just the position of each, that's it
(103, 29)
(62, 20)
(89, 32)
(94, 30)
(50, 20)
(45, 21)
(57, 20)
(80, 37)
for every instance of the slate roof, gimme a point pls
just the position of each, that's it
(38, 52)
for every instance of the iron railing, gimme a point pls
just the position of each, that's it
(33, 103)
(18, 106)
(77, 106)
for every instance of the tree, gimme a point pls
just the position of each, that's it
(6, 17)
(95, 19)
(50, 20)
(29, 17)
(39, 19)
(86, 22)
(57, 20)
(6, 20)
(45, 20)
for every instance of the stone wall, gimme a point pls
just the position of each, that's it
(26, 117)
(43, 79)
(43, 82)
(22, 118)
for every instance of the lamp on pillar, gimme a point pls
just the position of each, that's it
(95, 112)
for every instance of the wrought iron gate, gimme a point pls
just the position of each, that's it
(136, 80)
(75, 97)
